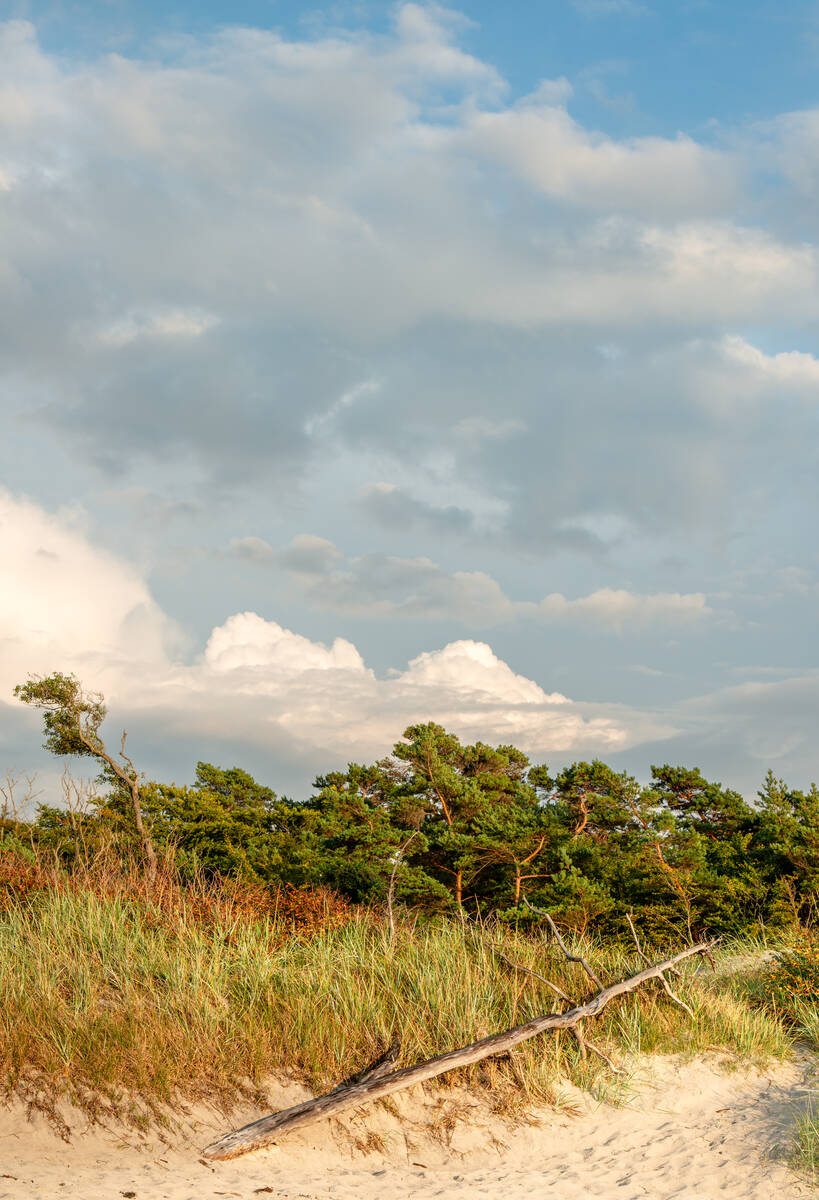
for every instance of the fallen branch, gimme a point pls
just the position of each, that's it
(268, 1129)
(583, 1043)
(666, 986)
(382, 1066)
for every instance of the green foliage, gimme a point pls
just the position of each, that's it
(443, 825)
(71, 716)
(225, 824)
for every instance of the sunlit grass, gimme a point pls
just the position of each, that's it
(804, 1155)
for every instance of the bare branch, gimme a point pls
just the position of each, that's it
(636, 939)
(582, 1042)
(667, 988)
(556, 934)
(585, 1045)
(527, 971)
(661, 977)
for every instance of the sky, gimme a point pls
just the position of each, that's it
(366, 364)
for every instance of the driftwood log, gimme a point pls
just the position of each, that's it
(376, 1083)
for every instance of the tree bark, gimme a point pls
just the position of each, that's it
(131, 781)
(268, 1129)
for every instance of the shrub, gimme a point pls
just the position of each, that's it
(791, 980)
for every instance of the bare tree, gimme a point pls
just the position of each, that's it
(17, 793)
(78, 795)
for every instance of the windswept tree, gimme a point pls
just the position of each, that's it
(481, 809)
(361, 824)
(72, 718)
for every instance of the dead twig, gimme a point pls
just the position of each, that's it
(534, 975)
(556, 935)
(661, 977)
(398, 858)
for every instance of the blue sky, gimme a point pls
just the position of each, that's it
(644, 67)
(372, 363)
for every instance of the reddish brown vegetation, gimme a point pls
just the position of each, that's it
(208, 903)
(21, 878)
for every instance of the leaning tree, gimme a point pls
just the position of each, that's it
(72, 718)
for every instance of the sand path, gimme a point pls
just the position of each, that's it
(688, 1131)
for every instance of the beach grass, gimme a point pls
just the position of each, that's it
(125, 1004)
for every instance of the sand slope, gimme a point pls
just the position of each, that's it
(689, 1130)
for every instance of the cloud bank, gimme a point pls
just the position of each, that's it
(261, 683)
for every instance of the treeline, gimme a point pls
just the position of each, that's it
(438, 825)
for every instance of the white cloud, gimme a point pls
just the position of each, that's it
(369, 204)
(390, 587)
(246, 640)
(171, 323)
(789, 368)
(66, 605)
(648, 175)
(616, 608)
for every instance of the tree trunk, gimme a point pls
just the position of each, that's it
(147, 845)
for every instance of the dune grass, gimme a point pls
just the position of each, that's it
(123, 1005)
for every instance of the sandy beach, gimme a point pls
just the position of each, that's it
(686, 1130)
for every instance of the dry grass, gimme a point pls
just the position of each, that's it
(124, 1001)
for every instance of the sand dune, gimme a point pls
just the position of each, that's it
(687, 1130)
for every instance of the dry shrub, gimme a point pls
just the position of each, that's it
(313, 909)
(22, 878)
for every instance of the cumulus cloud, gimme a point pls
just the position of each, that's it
(247, 641)
(68, 606)
(64, 600)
